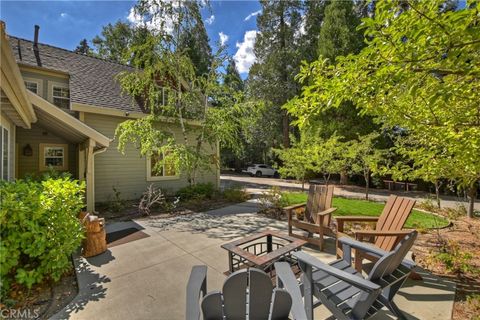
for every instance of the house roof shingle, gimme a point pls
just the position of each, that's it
(92, 80)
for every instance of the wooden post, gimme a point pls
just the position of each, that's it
(90, 192)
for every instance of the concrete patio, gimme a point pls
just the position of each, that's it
(146, 278)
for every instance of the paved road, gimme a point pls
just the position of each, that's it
(258, 185)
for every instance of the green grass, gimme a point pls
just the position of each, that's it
(352, 207)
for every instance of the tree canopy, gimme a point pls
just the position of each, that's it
(419, 73)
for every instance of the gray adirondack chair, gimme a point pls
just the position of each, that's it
(345, 292)
(246, 294)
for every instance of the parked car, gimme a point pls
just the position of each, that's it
(259, 170)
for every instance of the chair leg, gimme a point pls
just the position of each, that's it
(358, 261)
(395, 310)
(320, 233)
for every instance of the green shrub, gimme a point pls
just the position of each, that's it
(39, 229)
(235, 194)
(198, 191)
(454, 259)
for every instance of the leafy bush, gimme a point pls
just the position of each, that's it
(116, 204)
(235, 194)
(428, 205)
(454, 259)
(39, 229)
(197, 191)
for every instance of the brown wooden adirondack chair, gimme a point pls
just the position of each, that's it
(317, 214)
(388, 229)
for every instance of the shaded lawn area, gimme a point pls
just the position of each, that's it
(353, 207)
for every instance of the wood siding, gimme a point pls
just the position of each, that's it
(128, 172)
(28, 165)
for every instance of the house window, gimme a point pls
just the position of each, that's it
(53, 156)
(32, 86)
(61, 96)
(156, 170)
(5, 153)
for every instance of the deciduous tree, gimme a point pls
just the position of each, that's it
(420, 72)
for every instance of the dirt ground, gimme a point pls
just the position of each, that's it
(464, 238)
(42, 300)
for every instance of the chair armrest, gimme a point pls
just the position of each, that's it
(294, 206)
(356, 281)
(356, 218)
(366, 247)
(381, 233)
(286, 279)
(327, 212)
(196, 288)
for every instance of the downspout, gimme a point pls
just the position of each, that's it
(94, 153)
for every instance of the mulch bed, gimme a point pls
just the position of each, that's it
(466, 233)
(130, 210)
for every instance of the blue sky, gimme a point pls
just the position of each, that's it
(65, 23)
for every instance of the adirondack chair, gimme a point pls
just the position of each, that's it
(246, 294)
(388, 229)
(345, 292)
(317, 214)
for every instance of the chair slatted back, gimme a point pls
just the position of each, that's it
(246, 294)
(391, 261)
(393, 218)
(319, 199)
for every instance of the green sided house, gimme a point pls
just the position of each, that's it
(60, 109)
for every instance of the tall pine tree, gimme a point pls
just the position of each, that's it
(277, 51)
(83, 48)
(314, 15)
(232, 77)
(338, 34)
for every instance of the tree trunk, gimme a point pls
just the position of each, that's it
(437, 192)
(285, 117)
(367, 184)
(343, 177)
(286, 129)
(472, 195)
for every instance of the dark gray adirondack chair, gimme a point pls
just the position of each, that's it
(345, 292)
(246, 294)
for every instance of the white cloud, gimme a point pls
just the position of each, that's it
(245, 57)
(63, 15)
(223, 38)
(157, 19)
(210, 20)
(253, 14)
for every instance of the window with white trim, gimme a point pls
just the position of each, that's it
(157, 169)
(61, 96)
(5, 153)
(32, 86)
(53, 156)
